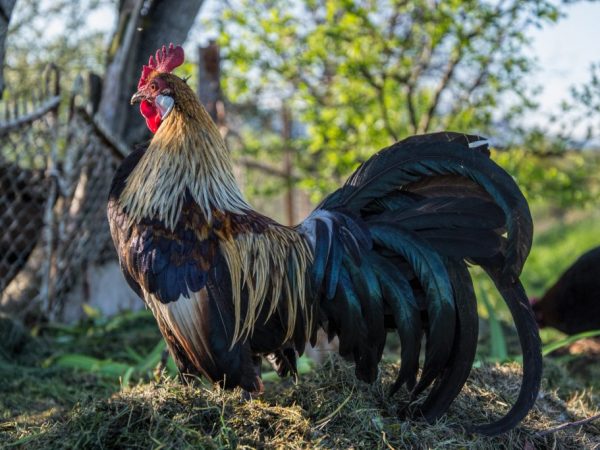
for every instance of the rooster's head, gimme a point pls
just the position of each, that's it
(159, 90)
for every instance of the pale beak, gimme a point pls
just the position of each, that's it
(137, 97)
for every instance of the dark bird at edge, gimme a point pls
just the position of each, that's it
(572, 304)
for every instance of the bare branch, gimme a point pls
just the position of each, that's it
(425, 122)
(480, 79)
(464, 98)
(265, 168)
(410, 103)
(257, 165)
(449, 73)
(411, 82)
(384, 111)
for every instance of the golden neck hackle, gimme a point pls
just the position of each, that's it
(187, 152)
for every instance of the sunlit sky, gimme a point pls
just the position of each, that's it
(564, 51)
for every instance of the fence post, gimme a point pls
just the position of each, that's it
(46, 288)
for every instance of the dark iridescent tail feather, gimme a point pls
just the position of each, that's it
(392, 246)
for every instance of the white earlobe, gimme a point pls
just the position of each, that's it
(165, 104)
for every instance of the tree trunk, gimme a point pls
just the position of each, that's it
(209, 81)
(6, 9)
(144, 26)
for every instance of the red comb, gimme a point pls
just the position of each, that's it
(167, 59)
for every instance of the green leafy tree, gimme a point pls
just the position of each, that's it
(34, 40)
(360, 74)
(559, 178)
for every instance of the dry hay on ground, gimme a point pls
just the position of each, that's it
(329, 408)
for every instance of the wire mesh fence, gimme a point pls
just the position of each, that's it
(55, 173)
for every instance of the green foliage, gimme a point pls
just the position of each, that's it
(549, 348)
(360, 74)
(558, 162)
(125, 372)
(59, 32)
(561, 178)
(122, 349)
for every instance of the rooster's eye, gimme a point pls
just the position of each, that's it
(153, 87)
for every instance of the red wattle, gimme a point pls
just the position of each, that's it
(151, 114)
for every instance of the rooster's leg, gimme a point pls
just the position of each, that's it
(256, 363)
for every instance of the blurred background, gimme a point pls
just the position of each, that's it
(302, 91)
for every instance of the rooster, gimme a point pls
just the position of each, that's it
(571, 305)
(387, 251)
